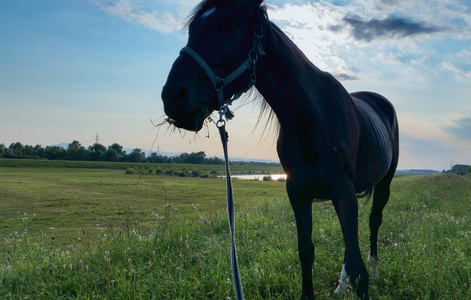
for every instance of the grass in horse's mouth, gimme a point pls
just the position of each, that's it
(200, 111)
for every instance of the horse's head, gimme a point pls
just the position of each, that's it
(217, 63)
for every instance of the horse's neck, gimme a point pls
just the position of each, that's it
(285, 78)
(293, 87)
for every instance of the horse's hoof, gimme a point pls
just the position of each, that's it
(304, 297)
(363, 296)
(341, 289)
(373, 265)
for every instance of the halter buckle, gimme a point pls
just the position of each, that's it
(219, 84)
(253, 55)
(259, 35)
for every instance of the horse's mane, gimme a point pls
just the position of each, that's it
(204, 6)
(200, 9)
(266, 116)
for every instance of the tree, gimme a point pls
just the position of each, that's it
(28, 151)
(197, 158)
(157, 158)
(114, 153)
(181, 159)
(118, 148)
(55, 153)
(136, 156)
(214, 161)
(15, 150)
(96, 152)
(38, 152)
(75, 151)
(2, 149)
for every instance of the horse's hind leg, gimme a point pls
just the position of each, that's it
(380, 199)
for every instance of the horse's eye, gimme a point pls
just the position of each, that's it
(227, 26)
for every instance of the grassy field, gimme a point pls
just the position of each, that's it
(119, 236)
(67, 164)
(68, 202)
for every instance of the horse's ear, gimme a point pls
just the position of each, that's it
(249, 6)
(248, 3)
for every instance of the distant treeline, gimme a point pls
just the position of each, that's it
(114, 153)
(460, 170)
(97, 152)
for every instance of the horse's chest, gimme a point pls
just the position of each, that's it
(312, 169)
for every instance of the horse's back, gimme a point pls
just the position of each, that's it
(379, 103)
(378, 145)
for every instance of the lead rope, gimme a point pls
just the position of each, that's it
(221, 125)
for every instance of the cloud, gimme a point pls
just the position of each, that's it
(431, 140)
(459, 64)
(390, 2)
(459, 73)
(461, 127)
(387, 28)
(164, 22)
(345, 77)
(305, 26)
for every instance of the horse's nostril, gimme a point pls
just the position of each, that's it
(169, 93)
(175, 100)
(175, 94)
(182, 94)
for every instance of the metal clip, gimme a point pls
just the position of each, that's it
(222, 111)
(253, 56)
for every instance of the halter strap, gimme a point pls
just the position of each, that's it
(220, 83)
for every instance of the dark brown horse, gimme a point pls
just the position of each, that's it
(332, 144)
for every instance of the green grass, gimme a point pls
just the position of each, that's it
(38, 163)
(70, 202)
(155, 242)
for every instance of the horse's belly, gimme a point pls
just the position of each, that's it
(375, 152)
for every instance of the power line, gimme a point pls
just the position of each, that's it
(96, 138)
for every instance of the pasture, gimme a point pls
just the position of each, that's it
(79, 233)
(63, 197)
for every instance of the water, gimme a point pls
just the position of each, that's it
(273, 177)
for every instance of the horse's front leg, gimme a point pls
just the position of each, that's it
(302, 208)
(346, 206)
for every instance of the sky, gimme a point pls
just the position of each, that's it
(72, 69)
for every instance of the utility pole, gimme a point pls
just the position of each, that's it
(96, 138)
